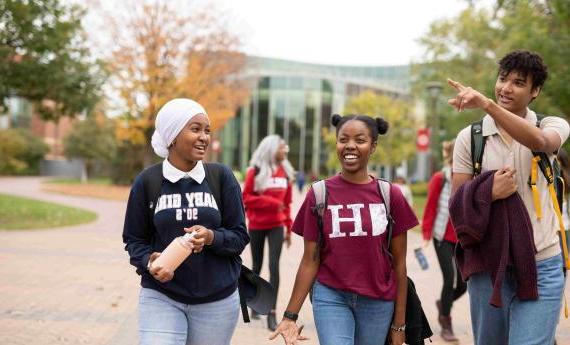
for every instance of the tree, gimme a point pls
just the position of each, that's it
(161, 52)
(468, 47)
(393, 148)
(91, 140)
(43, 57)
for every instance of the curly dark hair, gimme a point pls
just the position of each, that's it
(526, 63)
(376, 126)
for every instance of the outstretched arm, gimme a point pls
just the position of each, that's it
(526, 133)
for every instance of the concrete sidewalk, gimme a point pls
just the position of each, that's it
(74, 285)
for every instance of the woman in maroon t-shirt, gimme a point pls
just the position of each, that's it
(359, 293)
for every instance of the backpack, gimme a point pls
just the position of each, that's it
(417, 325)
(551, 172)
(253, 290)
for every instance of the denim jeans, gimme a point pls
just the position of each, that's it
(163, 321)
(344, 318)
(517, 322)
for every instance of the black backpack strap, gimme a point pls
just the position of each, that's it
(213, 177)
(543, 161)
(477, 146)
(152, 181)
(243, 305)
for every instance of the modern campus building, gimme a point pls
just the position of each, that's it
(296, 100)
(293, 99)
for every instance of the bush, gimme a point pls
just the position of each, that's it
(20, 152)
(127, 164)
(419, 189)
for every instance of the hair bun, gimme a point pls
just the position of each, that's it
(383, 125)
(335, 119)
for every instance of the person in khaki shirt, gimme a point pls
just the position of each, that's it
(511, 135)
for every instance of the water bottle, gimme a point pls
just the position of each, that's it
(176, 252)
(422, 260)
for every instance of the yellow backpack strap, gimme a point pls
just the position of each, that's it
(532, 183)
(561, 224)
(546, 169)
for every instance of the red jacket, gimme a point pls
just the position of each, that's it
(272, 207)
(430, 212)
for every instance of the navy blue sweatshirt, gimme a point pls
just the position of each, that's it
(208, 276)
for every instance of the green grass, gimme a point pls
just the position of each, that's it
(419, 205)
(24, 213)
(98, 181)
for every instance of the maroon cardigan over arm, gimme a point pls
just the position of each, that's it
(492, 236)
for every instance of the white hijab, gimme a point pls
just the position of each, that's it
(170, 120)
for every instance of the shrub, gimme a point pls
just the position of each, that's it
(419, 189)
(20, 152)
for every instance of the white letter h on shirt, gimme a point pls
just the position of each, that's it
(336, 219)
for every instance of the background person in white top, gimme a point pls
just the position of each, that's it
(511, 134)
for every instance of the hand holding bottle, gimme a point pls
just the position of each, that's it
(201, 236)
(162, 274)
(162, 265)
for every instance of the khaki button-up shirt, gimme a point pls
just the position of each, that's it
(499, 154)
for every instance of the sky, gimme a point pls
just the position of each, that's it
(347, 32)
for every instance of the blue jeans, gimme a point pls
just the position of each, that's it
(344, 318)
(517, 322)
(163, 321)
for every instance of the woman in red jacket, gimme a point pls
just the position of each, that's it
(437, 225)
(267, 199)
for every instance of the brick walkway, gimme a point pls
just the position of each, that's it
(74, 285)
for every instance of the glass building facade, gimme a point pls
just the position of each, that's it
(296, 101)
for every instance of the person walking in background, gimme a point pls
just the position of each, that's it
(437, 225)
(359, 289)
(198, 302)
(300, 180)
(519, 304)
(267, 198)
(401, 182)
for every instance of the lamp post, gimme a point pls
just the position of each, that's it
(434, 89)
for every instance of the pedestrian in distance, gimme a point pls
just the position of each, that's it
(436, 225)
(525, 308)
(359, 287)
(197, 303)
(300, 180)
(267, 199)
(401, 182)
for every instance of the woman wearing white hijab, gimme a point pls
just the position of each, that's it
(197, 303)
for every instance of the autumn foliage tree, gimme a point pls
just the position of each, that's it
(161, 51)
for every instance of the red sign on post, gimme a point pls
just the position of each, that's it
(422, 140)
(216, 146)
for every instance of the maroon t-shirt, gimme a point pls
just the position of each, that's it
(353, 257)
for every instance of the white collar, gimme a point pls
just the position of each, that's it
(173, 174)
